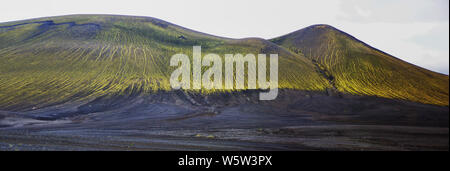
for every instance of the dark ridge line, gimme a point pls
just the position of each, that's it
(329, 77)
(323, 73)
(51, 23)
(46, 25)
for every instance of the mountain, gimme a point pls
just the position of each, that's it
(354, 67)
(49, 61)
(101, 82)
(54, 60)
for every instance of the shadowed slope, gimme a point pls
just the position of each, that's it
(53, 60)
(355, 67)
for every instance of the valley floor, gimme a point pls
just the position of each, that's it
(333, 137)
(183, 121)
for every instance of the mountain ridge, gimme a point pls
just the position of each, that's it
(356, 39)
(345, 57)
(129, 53)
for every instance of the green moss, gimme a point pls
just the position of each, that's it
(124, 55)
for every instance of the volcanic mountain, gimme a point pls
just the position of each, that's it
(53, 60)
(83, 82)
(354, 67)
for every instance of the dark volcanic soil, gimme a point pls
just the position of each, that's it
(239, 121)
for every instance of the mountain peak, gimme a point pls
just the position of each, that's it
(361, 69)
(321, 26)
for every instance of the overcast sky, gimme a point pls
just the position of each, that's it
(416, 31)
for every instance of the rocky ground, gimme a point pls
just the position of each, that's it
(238, 121)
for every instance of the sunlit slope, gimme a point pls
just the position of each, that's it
(354, 67)
(50, 61)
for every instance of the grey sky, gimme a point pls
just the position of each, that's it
(416, 31)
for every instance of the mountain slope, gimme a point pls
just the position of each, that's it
(50, 61)
(354, 67)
